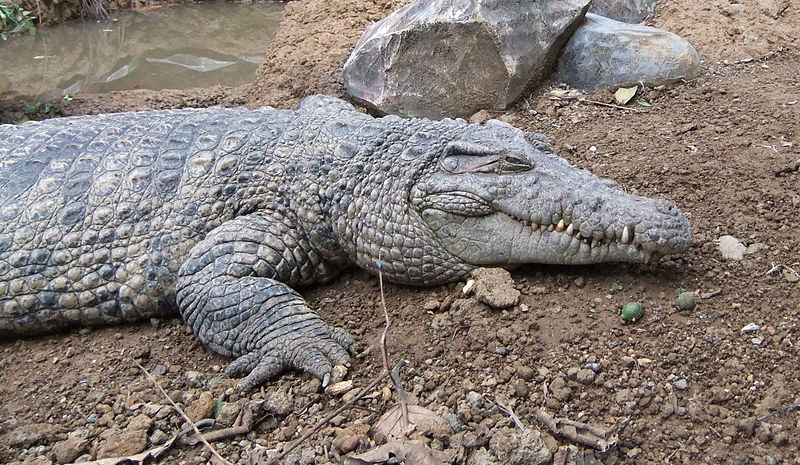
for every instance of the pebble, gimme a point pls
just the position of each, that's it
(474, 399)
(585, 376)
(69, 449)
(731, 248)
(525, 372)
(194, 378)
(160, 370)
(681, 384)
(158, 437)
(453, 421)
(521, 389)
(201, 408)
(750, 328)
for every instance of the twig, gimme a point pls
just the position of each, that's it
(244, 424)
(384, 351)
(211, 449)
(510, 412)
(324, 421)
(780, 410)
(609, 105)
(583, 434)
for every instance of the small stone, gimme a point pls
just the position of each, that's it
(514, 447)
(141, 352)
(731, 248)
(129, 442)
(431, 306)
(69, 449)
(474, 399)
(349, 444)
(195, 379)
(750, 328)
(521, 389)
(229, 412)
(26, 436)
(525, 372)
(585, 376)
(681, 384)
(160, 370)
(201, 408)
(158, 437)
(500, 350)
(580, 281)
(453, 421)
(495, 287)
(686, 301)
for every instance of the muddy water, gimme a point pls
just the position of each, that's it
(173, 47)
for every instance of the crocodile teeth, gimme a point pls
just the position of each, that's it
(534, 227)
(570, 229)
(561, 226)
(550, 228)
(595, 242)
(626, 236)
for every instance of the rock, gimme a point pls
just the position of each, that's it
(604, 54)
(195, 379)
(681, 384)
(140, 422)
(585, 376)
(495, 287)
(437, 58)
(452, 420)
(229, 412)
(525, 372)
(26, 436)
(514, 447)
(521, 389)
(158, 437)
(70, 449)
(731, 248)
(128, 442)
(474, 399)
(750, 328)
(627, 11)
(201, 408)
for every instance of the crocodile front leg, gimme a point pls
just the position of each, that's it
(235, 291)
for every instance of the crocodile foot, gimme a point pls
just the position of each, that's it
(315, 348)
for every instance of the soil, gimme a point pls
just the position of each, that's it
(718, 383)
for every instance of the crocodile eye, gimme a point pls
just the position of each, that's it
(462, 158)
(513, 164)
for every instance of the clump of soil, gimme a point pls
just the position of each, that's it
(715, 384)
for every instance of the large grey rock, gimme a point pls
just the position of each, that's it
(627, 11)
(437, 58)
(604, 53)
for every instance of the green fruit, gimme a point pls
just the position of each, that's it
(631, 312)
(686, 301)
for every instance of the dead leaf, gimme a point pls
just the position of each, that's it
(406, 452)
(624, 95)
(423, 420)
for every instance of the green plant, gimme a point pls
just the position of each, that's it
(15, 19)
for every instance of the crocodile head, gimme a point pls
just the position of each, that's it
(498, 196)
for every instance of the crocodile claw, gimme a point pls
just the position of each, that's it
(315, 349)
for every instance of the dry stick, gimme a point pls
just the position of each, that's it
(510, 412)
(609, 105)
(183, 414)
(330, 416)
(384, 351)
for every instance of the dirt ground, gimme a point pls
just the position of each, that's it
(716, 384)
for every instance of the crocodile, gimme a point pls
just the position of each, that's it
(222, 214)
